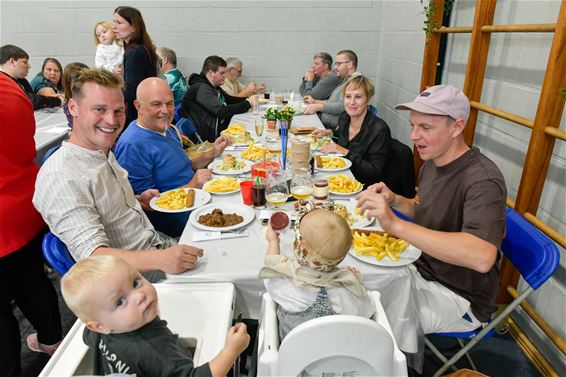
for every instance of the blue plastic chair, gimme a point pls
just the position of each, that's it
(187, 128)
(372, 109)
(49, 152)
(56, 253)
(534, 255)
(177, 114)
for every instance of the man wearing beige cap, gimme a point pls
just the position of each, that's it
(459, 215)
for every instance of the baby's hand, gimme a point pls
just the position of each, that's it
(237, 339)
(271, 235)
(353, 270)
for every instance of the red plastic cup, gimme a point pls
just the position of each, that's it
(246, 188)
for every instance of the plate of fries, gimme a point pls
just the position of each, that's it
(331, 163)
(179, 200)
(231, 165)
(222, 186)
(374, 246)
(254, 152)
(347, 209)
(343, 185)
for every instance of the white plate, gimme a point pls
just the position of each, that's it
(247, 143)
(319, 153)
(345, 193)
(360, 221)
(246, 212)
(408, 256)
(201, 198)
(219, 193)
(247, 167)
(348, 165)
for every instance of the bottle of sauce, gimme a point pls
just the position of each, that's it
(320, 189)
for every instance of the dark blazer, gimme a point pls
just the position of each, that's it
(137, 67)
(369, 149)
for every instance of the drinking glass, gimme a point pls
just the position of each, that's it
(259, 127)
(301, 184)
(276, 189)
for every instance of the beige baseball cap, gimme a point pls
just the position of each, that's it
(440, 100)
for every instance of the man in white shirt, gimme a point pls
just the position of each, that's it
(84, 195)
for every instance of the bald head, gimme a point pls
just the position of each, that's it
(155, 104)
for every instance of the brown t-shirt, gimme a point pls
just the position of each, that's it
(467, 195)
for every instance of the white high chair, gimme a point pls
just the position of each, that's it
(200, 313)
(342, 345)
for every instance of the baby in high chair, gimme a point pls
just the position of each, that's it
(120, 310)
(109, 52)
(310, 285)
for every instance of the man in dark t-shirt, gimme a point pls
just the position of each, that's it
(459, 214)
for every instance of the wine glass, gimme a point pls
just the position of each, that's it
(276, 189)
(259, 127)
(301, 184)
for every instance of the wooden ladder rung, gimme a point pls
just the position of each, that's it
(546, 229)
(503, 114)
(516, 28)
(453, 29)
(552, 131)
(519, 28)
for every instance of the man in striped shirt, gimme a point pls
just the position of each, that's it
(84, 195)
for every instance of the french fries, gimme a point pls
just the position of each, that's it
(332, 162)
(254, 152)
(343, 184)
(175, 199)
(223, 184)
(378, 245)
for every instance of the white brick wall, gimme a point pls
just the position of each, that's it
(275, 39)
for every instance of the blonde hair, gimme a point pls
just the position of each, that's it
(326, 233)
(77, 283)
(107, 26)
(357, 82)
(97, 76)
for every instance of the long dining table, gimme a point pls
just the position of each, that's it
(51, 128)
(239, 259)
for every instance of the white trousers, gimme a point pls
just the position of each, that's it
(441, 310)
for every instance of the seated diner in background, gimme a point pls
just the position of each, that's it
(208, 105)
(14, 62)
(363, 138)
(152, 153)
(459, 214)
(49, 82)
(232, 84)
(345, 66)
(320, 80)
(71, 71)
(84, 195)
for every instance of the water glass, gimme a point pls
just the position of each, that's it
(301, 184)
(276, 189)
(258, 123)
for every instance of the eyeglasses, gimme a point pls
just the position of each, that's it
(337, 63)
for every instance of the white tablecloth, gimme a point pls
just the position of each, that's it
(239, 260)
(51, 128)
